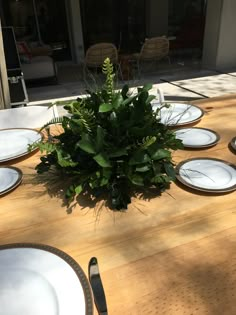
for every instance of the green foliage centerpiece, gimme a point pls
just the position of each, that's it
(112, 142)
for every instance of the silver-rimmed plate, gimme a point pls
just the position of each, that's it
(233, 143)
(197, 137)
(14, 142)
(10, 178)
(178, 114)
(39, 279)
(207, 174)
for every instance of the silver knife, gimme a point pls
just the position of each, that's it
(97, 287)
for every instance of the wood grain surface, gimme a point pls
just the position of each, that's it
(174, 254)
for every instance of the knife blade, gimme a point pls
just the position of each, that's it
(97, 287)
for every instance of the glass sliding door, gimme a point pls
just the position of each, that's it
(39, 22)
(121, 22)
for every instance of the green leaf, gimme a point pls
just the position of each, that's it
(150, 98)
(136, 179)
(86, 144)
(161, 154)
(125, 90)
(117, 101)
(70, 192)
(104, 181)
(170, 171)
(102, 160)
(106, 172)
(64, 159)
(140, 157)
(118, 153)
(147, 87)
(129, 100)
(105, 107)
(99, 138)
(158, 179)
(142, 169)
(78, 189)
(148, 141)
(143, 97)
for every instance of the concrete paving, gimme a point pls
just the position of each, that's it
(178, 83)
(210, 86)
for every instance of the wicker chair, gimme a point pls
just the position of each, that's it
(97, 53)
(153, 50)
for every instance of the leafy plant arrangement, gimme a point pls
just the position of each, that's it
(112, 142)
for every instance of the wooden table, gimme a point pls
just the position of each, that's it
(174, 254)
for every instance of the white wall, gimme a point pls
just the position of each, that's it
(4, 88)
(75, 27)
(226, 56)
(219, 50)
(157, 18)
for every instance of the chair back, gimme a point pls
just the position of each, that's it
(27, 117)
(97, 53)
(155, 48)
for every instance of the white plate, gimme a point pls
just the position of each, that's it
(177, 114)
(38, 279)
(10, 178)
(14, 142)
(197, 137)
(205, 174)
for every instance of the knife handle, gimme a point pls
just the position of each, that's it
(97, 287)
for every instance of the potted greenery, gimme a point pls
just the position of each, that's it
(113, 143)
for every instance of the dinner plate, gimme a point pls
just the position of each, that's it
(10, 178)
(14, 142)
(206, 174)
(197, 137)
(177, 114)
(233, 143)
(39, 279)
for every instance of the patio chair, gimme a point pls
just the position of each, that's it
(27, 117)
(97, 53)
(153, 50)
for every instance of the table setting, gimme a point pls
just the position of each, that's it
(41, 279)
(201, 173)
(44, 279)
(194, 218)
(14, 144)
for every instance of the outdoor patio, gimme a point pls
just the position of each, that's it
(183, 80)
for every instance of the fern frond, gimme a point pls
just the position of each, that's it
(54, 121)
(86, 118)
(107, 69)
(43, 146)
